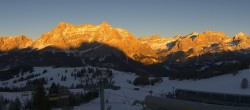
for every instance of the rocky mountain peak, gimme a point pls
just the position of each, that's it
(105, 27)
(147, 50)
(198, 42)
(155, 37)
(156, 42)
(104, 23)
(210, 37)
(240, 36)
(61, 26)
(66, 36)
(16, 42)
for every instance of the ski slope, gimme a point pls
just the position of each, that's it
(124, 98)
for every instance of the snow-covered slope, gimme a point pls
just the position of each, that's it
(124, 98)
(222, 84)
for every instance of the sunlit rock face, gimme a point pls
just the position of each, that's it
(67, 36)
(16, 42)
(156, 42)
(198, 41)
(240, 41)
(147, 50)
(196, 44)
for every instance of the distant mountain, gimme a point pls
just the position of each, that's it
(156, 42)
(210, 42)
(80, 45)
(201, 55)
(17, 42)
(69, 37)
(105, 46)
(196, 44)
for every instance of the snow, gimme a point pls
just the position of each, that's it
(97, 46)
(14, 95)
(3, 54)
(125, 34)
(124, 98)
(203, 68)
(87, 50)
(102, 58)
(218, 63)
(222, 84)
(235, 43)
(168, 68)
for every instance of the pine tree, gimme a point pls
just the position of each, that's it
(244, 83)
(17, 104)
(142, 80)
(72, 86)
(40, 101)
(62, 78)
(110, 75)
(98, 72)
(53, 89)
(45, 71)
(83, 70)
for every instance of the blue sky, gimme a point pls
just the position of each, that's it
(166, 18)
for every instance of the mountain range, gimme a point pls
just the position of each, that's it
(106, 46)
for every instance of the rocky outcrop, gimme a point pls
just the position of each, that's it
(147, 50)
(156, 42)
(240, 41)
(199, 41)
(17, 42)
(196, 44)
(67, 36)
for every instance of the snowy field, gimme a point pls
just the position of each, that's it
(124, 98)
(223, 84)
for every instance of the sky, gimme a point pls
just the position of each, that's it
(166, 18)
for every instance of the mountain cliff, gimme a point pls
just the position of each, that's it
(67, 36)
(212, 42)
(195, 44)
(17, 42)
(156, 42)
(148, 50)
(106, 46)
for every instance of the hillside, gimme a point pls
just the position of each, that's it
(196, 55)
(124, 97)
